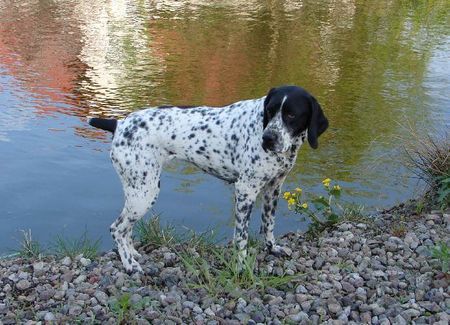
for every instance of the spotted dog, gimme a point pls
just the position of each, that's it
(252, 143)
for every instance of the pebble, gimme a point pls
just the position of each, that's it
(23, 284)
(352, 274)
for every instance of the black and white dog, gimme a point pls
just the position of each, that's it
(252, 143)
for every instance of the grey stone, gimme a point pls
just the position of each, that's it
(66, 261)
(23, 284)
(399, 320)
(334, 307)
(101, 297)
(39, 269)
(430, 306)
(299, 317)
(424, 281)
(49, 317)
(75, 310)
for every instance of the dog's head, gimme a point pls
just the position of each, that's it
(289, 113)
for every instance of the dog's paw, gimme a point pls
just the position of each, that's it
(133, 267)
(280, 251)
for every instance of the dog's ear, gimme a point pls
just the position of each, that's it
(266, 102)
(318, 123)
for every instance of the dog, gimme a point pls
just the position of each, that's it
(251, 143)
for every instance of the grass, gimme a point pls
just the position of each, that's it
(222, 273)
(151, 233)
(442, 253)
(429, 159)
(29, 248)
(124, 309)
(73, 247)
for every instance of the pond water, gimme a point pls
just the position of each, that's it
(373, 65)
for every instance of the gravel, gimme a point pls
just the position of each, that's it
(355, 273)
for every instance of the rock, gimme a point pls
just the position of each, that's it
(75, 310)
(49, 317)
(23, 284)
(67, 261)
(67, 276)
(39, 269)
(3, 308)
(430, 306)
(424, 281)
(85, 261)
(197, 310)
(299, 317)
(47, 294)
(366, 317)
(334, 307)
(411, 240)
(301, 289)
(318, 262)
(101, 297)
(81, 278)
(410, 314)
(348, 287)
(399, 320)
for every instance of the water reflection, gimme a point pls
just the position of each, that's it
(370, 64)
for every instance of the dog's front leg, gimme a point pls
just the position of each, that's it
(270, 200)
(245, 196)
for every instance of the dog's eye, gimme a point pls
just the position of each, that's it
(290, 116)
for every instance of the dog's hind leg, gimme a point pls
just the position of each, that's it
(141, 190)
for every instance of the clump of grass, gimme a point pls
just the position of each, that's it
(29, 247)
(224, 272)
(399, 230)
(73, 247)
(151, 233)
(442, 253)
(124, 309)
(429, 159)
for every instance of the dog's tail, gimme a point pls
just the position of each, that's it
(108, 124)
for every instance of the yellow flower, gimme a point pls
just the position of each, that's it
(298, 190)
(305, 205)
(291, 201)
(287, 195)
(337, 187)
(326, 182)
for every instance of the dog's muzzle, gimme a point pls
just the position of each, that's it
(270, 140)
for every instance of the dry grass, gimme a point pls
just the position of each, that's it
(428, 157)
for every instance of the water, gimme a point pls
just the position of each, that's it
(372, 65)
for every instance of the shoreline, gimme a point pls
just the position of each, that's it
(379, 272)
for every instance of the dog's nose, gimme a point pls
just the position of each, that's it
(269, 139)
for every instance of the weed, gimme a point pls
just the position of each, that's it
(399, 230)
(29, 248)
(226, 273)
(151, 233)
(442, 253)
(75, 246)
(323, 212)
(429, 159)
(124, 309)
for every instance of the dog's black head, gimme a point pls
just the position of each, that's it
(289, 112)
